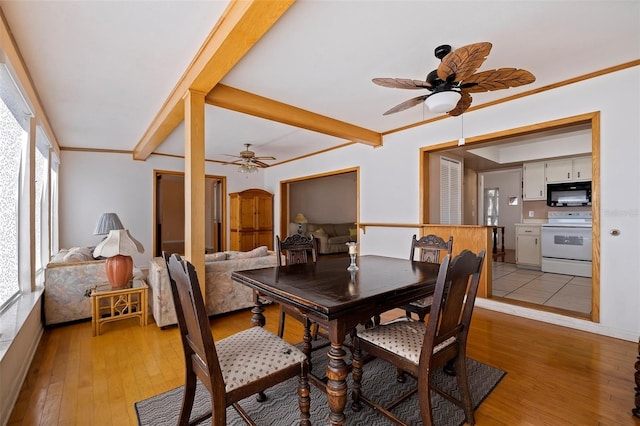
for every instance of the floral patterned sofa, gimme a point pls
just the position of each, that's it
(222, 293)
(68, 278)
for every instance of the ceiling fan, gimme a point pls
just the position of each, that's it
(248, 161)
(454, 79)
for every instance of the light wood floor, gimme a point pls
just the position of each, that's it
(555, 375)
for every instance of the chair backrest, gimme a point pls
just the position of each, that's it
(431, 248)
(297, 249)
(453, 302)
(197, 341)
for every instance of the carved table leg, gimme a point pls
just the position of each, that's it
(337, 386)
(636, 411)
(257, 320)
(306, 346)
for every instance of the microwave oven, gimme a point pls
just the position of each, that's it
(569, 194)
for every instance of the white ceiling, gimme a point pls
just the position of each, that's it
(104, 68)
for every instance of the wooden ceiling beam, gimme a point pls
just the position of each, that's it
(248, 103)
(237, 31)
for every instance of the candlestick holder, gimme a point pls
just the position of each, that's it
(353, 252)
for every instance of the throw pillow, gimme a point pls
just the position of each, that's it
(215, 257)
(320, 231)
(78, 254)
(256, 252)
(353, 232)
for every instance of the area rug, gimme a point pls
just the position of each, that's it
(378, 384)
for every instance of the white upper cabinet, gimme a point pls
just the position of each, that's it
(582, 168)
(568, 170)
(559, 170)
(533, 183)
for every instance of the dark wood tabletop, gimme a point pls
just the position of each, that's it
(338, 299)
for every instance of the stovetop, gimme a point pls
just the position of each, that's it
(580, 219)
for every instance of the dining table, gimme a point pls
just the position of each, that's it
(338, 300)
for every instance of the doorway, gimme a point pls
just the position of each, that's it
(589, 122)
(332, 197)
(169, 217)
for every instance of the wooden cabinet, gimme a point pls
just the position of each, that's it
(528, 245)
(251, 219)
(534, 186)
(568, 170)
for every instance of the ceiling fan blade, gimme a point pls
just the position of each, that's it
(463, 104)
(502, 78)
(259, 163)
(402, 83)
(264, 158)
(464, 61)
(232, 163)
(407, 104)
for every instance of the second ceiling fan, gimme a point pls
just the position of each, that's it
(454, 79)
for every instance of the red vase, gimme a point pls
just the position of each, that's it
(119, 270)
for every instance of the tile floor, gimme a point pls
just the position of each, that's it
(542, 288)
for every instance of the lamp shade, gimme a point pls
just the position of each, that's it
(106, 223)
(300, 218)
(118, 242)
(443, 101)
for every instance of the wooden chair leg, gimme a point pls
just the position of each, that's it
(424, 399)
(187, 398)
(401, 377)
(281, 323)
(450, 368)
(304, 398)
(356, 375)
(463, 387)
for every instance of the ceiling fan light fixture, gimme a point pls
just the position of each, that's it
(248, 167)
(443, 101)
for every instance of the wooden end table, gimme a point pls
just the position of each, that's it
(109, 304)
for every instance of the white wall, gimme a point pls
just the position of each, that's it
(329, 199)
(94, 183)
(389, 182)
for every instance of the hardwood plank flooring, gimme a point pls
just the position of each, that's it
(555, 375)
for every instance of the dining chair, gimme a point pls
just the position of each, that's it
(420, 348)
(235, 367)
(296, 249)
(430, 248)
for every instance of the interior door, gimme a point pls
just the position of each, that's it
(170, 219)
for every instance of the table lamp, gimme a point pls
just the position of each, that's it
(118, 248)
(106, 223)
(300, 220)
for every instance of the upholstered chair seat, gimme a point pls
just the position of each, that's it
(238, 361)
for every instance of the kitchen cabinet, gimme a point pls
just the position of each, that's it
(528, 252)
(568, 170)
(251, 219)
(534, 186)
(581, 168)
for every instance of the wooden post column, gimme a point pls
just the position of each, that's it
(194, 183)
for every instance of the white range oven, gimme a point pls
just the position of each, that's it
(566, 243)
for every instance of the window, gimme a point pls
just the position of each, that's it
(13, 140)
(17, 206)
(450, 191)
(491, 204)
